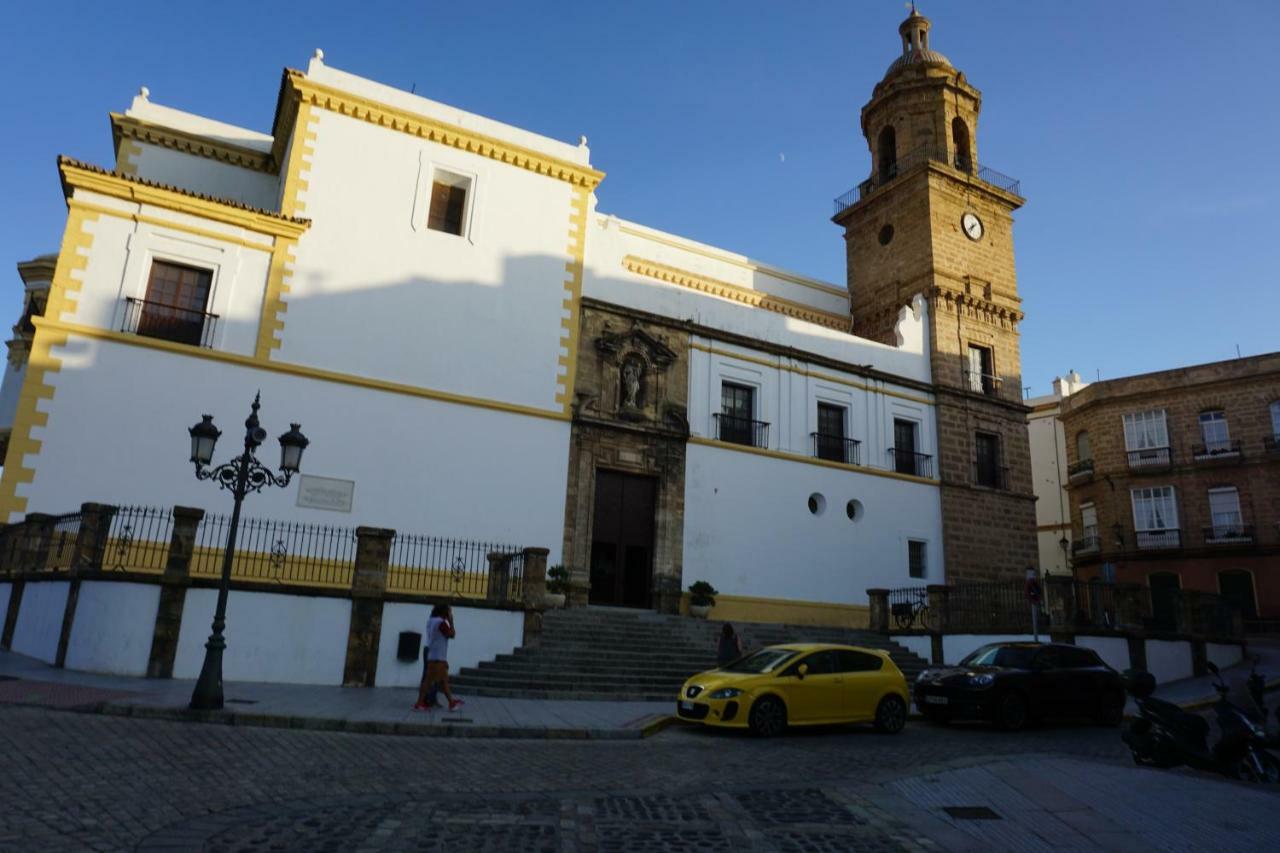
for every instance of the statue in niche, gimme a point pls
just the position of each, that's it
(632, 389)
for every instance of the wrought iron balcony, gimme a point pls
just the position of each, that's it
(1082, 470)
(1151, 457)
(169, 322)
(1089, 543)
(1159, 539)
(836, 448)
(1229, 534)
(1216, 450)
(982, 383)
(736, 430)
(909, 462)
(927, 154)
(990, 476)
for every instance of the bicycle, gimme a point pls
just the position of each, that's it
(907, 613)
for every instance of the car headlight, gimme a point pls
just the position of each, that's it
(726, 693)
(924, 673)
(984, 680)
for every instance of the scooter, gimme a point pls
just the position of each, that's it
(1164, 735)
(1257, 686)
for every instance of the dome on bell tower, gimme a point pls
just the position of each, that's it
(915, 44)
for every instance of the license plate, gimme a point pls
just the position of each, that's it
(935, 700)
(686, 706)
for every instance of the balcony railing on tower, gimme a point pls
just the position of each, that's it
(169, 322)
(927, 154)
(835, 448)
(982, 383)
(736, 430)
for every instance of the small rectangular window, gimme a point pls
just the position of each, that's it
(736, 418)
(906, 457)
(829, 441)
(980, 373)
(987, 469)
(916, 558)
(449, 206)
(174, 307)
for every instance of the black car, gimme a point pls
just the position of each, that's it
(1012, 684)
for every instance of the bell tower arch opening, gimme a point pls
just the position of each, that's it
(961, 157)
(887, 153)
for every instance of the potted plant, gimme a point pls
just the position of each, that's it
(701, 598)
(557, 586)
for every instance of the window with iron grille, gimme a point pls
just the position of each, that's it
(830, 438)
(174, 308)
(987, 466)
(737, 410)
(916, 558)
(448, 209)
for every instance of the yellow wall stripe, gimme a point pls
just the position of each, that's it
(165, 223)
(810, 460)
(569, 327)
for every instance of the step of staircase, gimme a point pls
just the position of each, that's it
(636, 655)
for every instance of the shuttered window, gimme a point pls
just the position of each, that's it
(448, 205)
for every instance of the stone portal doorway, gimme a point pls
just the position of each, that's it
(622, 539)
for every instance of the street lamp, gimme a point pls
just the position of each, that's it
(240, 476)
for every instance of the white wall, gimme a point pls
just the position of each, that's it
(419, 466)
(482, 635)
(270, 637)
(1169, 660)
(1114, 651)
(113, 628)
(956, 646)
(204, 175)
(748, 529)
(920, 646)
(44, 603)
(1224, 655)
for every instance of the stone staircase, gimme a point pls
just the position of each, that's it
(634, 655)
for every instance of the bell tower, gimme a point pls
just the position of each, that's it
(931, 220)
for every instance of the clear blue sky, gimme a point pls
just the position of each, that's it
(1146, 133)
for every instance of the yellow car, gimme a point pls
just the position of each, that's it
(799, 684)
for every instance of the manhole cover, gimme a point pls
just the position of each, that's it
(971, 813)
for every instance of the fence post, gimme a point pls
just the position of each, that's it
(173, 591)
(1188, 614)
(499, 577)
(1060, 602)
(940, 616)
(38, 530)
(534, 588)
(1129, 606)
(878, 615)
(91, 540)
(368, 586)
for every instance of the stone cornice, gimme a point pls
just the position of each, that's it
(128, 127)
(298, 88)
(744, 295)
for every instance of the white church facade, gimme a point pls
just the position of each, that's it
(475, 350)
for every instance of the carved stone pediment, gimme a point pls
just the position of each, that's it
(630, 372)
(615, 344)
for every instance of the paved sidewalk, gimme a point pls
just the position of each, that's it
(383, 710)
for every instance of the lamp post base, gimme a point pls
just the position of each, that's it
(208, 693)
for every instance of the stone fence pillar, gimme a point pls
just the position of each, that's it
(174, 583)
(91, 540)
(878, 615)
(37, 532)
(368, 586)
(939, 621)
(1129, 607)
(533, 589)
(499, 581)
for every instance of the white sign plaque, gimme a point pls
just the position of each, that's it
(326, 493)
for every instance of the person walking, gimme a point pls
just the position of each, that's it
(435, 663)
(729, 647)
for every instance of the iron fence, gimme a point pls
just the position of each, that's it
(1151, 457)
(169, 322)
(456, 567)
(909, 609)
(285, 552)
(835, 448)
(741, 430)
(138, 539)
(910, 462)
(995, 606)
(35, 546)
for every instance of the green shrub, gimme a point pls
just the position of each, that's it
(558, 580)
(702, 594)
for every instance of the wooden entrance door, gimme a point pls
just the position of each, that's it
(622, 540)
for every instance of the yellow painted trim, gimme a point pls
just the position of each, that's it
(810, 460)
(294, 184)
(572, 305)
(126, 157)
(434, 130)
(116, 186)
(271, 320)
(166, 223)
(72, 257)
(745, 295)
(744, 608)
(295, 370)
(128, 128)
(728, 258)
(806, 372)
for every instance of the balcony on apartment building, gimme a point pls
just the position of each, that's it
(1156, 540)
(1088, 543)
(169, 322)
(1217, 451)
(836, 448)
(982, 383)
(745, 431)
(909, 462)
(1079, 472)
(1229, 534)
(1150, 458)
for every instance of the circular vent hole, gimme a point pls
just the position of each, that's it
(853, 509)
(817, 504)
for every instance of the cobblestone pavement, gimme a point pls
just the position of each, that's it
(80, 781)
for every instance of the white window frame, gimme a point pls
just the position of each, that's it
(1214, 431)
(1145, 430)
(907, 545)
(1088, 519)
(1155, 515)
(1225, 518)
(428, 172)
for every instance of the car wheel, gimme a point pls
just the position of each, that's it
(891, 715)
(1110, 710)
(768, 717)
(1012, 713)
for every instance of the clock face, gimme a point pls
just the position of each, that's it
(972, 226)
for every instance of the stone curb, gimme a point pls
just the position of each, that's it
(377, 727)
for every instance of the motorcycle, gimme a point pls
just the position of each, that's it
(1164, 735)
(1257, 686)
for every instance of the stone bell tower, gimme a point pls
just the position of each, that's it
(931, 220)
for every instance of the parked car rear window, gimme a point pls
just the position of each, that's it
(765, 660)
(1018, 657)
(1079, 658)
(858, 661)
